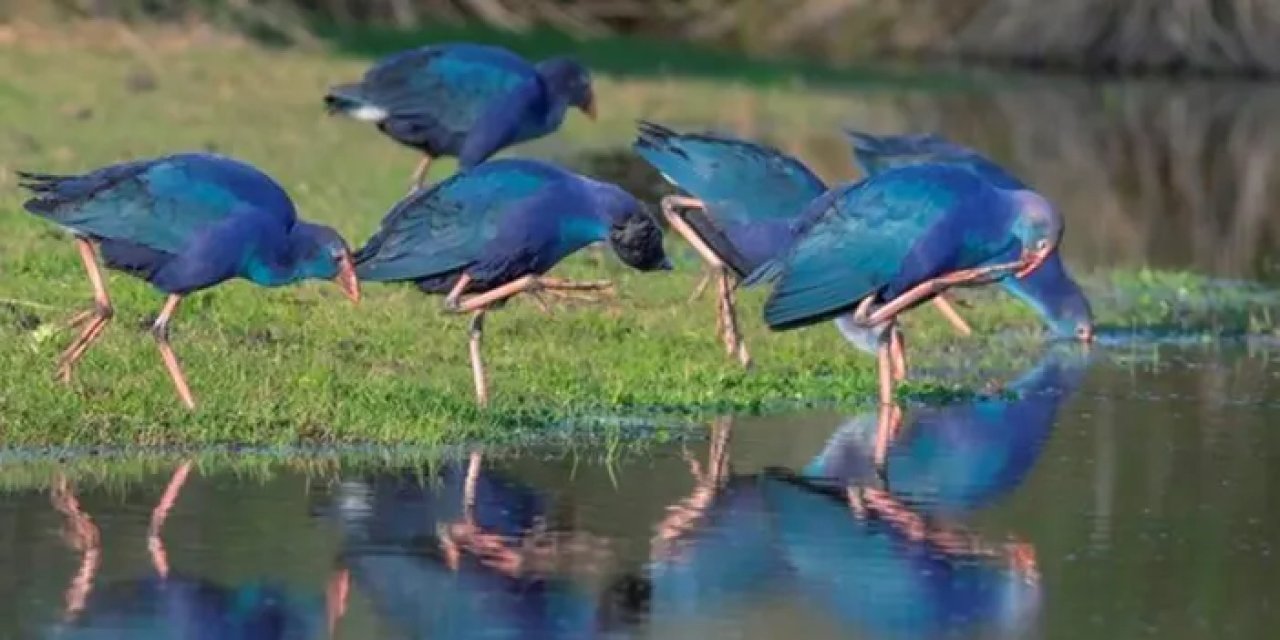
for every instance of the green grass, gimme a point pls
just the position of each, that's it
(301, 365)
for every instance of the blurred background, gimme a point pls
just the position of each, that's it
(1151, 121)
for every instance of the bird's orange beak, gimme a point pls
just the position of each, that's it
(590, 108)
(346, 278)
(1032, 260)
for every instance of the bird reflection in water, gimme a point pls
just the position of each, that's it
(901, 565)
(464, 553)
(168, 604)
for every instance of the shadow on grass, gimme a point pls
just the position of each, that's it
(647, 57)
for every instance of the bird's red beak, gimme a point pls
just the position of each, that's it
(590, 108)
(1032, 260)
(346, 278)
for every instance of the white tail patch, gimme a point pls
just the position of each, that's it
(368, 113)
(861, 336)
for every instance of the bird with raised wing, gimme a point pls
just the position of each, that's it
(744, 201)
(489, 233)
(183, 223)
(1050, 290)
(467, 101)
(868, 251)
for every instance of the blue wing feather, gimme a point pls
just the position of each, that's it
(160, 204)
(434, 95)
(752, 192)
(454, 224)
(883, 235)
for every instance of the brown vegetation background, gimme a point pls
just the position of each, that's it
(1204, 36)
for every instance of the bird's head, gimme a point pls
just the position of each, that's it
(1058, 299)
(1038, 227)
(571, 81)
(637, 239)
(322, 254)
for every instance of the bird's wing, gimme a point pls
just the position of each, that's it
(875, 154)
(740, 181)
(446, 227)
(160, 204)
(886, 233)
(451, 86)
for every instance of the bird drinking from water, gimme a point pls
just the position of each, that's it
(464, 100)
(489, 233)
(1050, 290)
(871, 250)
(183, 223)
(745, 199)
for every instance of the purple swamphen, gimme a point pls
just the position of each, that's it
(870, 250)
(464, 100)
(184, 223)
(744, 201)
(494, 230)
(1050, 290)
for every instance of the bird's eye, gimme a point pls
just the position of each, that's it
(1042, 245)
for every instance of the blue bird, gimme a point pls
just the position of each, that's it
(873, 249)
(871, 562)
(1050, 290)
(956, 458)
(494, 230)
(184, 223)
(744, 201)
(464, 100)
(168, 604)
(446, 556)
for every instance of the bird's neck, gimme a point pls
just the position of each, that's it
(278, 262)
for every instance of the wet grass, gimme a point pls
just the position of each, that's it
(301, 365)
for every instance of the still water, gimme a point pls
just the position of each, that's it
(1117, 494)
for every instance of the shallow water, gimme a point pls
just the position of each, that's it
(1120, 495)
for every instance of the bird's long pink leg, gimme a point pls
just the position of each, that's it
(155, 544)
(670, 204)
(98, 317)
(898, 354)
(419, 176)
(160, 331)
(476, 333)
(932, 287)
(733, 342)
(477, 304)
(82, 534)
(884, 363)
(949, 312)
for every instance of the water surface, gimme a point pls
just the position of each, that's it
(1121, 494)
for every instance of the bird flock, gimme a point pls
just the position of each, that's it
(929, 215)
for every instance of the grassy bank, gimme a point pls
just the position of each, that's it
(302, 365)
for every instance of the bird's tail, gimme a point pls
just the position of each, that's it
(349, 100)
(51, 191)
